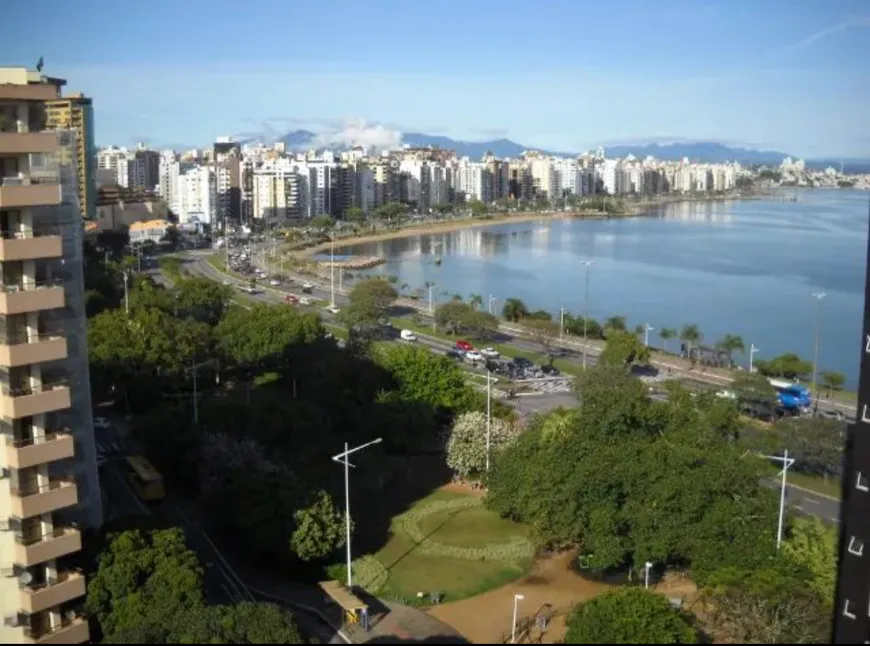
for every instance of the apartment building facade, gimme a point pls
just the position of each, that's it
(76, 113)
(49, 489)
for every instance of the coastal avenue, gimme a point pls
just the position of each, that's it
(805, 501)
(745, 267)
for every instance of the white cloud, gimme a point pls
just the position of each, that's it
(358, 132)
(852, 21)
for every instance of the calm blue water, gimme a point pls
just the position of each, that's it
(742, 267)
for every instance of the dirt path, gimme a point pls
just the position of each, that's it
(487, 619)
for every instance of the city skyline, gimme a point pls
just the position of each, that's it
(779, 76)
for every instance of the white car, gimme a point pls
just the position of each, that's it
(304, 301)
(490, 353)
(332, 309)
(274, 282)
(101, 423)
(473, 355)
(307, 286)
(227, 283)
(407, 335)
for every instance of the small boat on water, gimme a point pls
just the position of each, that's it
(438, 260)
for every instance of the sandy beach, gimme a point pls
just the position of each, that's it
(635, 210)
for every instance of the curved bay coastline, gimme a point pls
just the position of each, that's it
(745, 267)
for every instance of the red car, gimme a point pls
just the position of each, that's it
(465, 346)
(291, 300)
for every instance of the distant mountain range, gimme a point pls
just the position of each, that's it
(700, 151)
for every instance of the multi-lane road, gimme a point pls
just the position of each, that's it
(803, 500)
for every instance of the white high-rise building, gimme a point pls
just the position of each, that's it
(473, 179)
(568, 180)
(169, 173)
(196, 190)
(117, 161)
(544, 177)
(277, 191)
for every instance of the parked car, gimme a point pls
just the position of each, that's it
(291, 299)
(550, 371)
(332, 309)
(307, 290)
(407, 335)
(304, 301)
(465, 346)
(490, 353)
(522, 362)
(473, 356)
(274, 282)
(453, 353)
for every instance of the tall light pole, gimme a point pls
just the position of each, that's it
(752, 351)
(646, 568)
(126, 293)
(492, 300)
(332, 271)
(588, 265)
(647, 328)
(344, 458)
(818, 296)
(517, 599)
(193, 370)
(561, 323)
(786, 463)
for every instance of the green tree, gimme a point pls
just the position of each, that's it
(545, 333)
(354, 214)
(816, 444)
(831, 381)
(691, 335)
(477, 208)
(475, 300)
(320, 529)
(624, 349)
(813, 545)
(144, 578)
(666, 334)
(463, 319)
(466, 447)
(575, 325)
(243, 623)
(262, 336)
(616, 323)
(629, 616)
(730, 344)
(203, 299)
(370, 301)
(754, 389)
(323, 221)
(771, 605)
(786, 366)
(514, 310)
(171, 238)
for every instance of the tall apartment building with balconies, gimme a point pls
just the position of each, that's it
(49, 487)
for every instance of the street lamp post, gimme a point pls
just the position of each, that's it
(492, 300)
(193, 370)
(517, 599)
(818, 296)
(786, 463)
(561, 323)
(126, 293)
(344, 458)
(588, 265)
(646, 569)
(647, 328)
(752, 351)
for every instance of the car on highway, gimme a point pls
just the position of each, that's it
(291, 299)
(332, 309)
(407, 335)
(275, 282)
(474, 356)
(465, 346)
(307, 289)
(453, 353)
(102, 424)
(307, 286)
(304, 301)
(490, 353)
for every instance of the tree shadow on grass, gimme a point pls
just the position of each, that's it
(411, 550)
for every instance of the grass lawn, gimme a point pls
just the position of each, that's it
(453, 578)
(830, 487)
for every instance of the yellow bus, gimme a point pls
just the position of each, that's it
(146, 480)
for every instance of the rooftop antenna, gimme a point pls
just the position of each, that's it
(40, 64)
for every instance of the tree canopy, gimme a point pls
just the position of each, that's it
(466, 446)
(464, 319)
(143, 578)
(629, 616)
(370, 301)
(514, 310)
(262, 335)
(624, 349)
(787, 366)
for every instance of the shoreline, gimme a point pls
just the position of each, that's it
(640, 209)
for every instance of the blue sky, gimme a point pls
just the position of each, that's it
(561, 74)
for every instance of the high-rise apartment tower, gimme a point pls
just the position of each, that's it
(49, 487)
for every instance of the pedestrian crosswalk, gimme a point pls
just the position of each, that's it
(107, 450)
(557, 385)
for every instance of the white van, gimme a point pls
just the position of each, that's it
(408, 335)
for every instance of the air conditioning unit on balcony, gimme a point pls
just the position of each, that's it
(11, 621)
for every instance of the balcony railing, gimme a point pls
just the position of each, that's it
(31, 501)
(15, 142)
(67, 586)
(26, 191)
(17, 403)
(71, 631)
(31, 296)
(47, 547)
(32, 350)
(51, 447)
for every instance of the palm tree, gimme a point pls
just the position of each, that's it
(730, 344)
(666, 334)
(615, 323)
(514, 310)
(690, 335)
(475, 300)
(457, 298)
